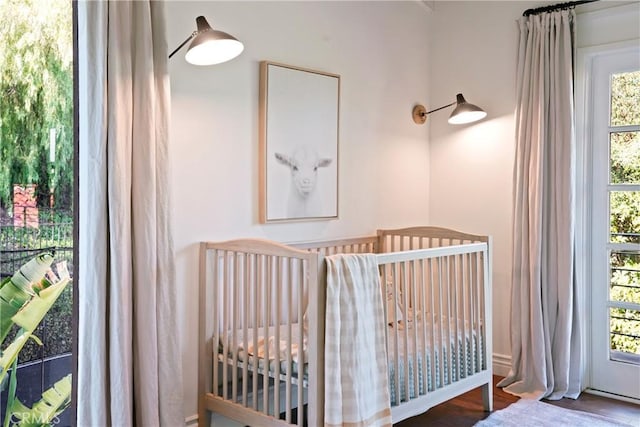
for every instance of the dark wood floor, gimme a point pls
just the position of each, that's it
(466, 409)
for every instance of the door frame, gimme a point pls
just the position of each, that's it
(584, 196)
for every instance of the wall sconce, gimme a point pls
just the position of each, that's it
(463, 113)
(210, 46)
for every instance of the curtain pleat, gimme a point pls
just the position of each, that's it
(545, 334)
(129, 370)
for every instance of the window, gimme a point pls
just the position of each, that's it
(624, 215)
(36, 201)
(612, 209)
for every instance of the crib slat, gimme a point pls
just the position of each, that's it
(449, 315)
(482, 305)
(405, 294)
(472, 347)
(414, 321)
(216, 303)
(441, 343)
(456, 318)
(394, 319)
(301, 361)
(478, 307)
(433, 349)
(234, 327)
(289, 287)
(385, 309)
(466, 336)
(265, 325)
(258, 287)
(472, 336)
(423, 324)
(481, 308)
(245, 328)
(225, 325)
(472, 310)
(277, 290)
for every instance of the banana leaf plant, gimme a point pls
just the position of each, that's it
(25, 299)
(45, 411)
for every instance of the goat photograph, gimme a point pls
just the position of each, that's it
(299, 116)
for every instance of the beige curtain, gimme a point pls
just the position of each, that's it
(545, 334)
(129, 370)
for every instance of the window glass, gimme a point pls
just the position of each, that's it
(625, 276)
(624, 149)
(625, 99)
(625, 330)
(624, 216)
(36, 210)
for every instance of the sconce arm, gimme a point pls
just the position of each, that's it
(438, 109)
(183, 43)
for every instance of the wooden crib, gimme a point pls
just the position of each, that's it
(261, 332)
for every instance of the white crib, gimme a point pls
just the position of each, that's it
(261, 353)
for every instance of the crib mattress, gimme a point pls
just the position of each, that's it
(417, 364)
(256, 357)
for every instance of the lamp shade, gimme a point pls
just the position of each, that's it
(465, 112)
(211, 46)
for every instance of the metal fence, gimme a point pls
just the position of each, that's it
(17, 246)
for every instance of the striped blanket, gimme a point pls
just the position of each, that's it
(356, 381)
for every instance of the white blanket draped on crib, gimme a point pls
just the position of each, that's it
(356, 370)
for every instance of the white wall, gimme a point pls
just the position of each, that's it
(473, 50)
(380, 49)
(390, 56)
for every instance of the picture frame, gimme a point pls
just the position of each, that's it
(299, 138)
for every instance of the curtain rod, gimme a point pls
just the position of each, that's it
(553, 7)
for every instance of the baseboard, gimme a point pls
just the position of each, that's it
(191, 420)
(612, 396)
(501, 364)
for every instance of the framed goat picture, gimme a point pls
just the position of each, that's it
(299, 118)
